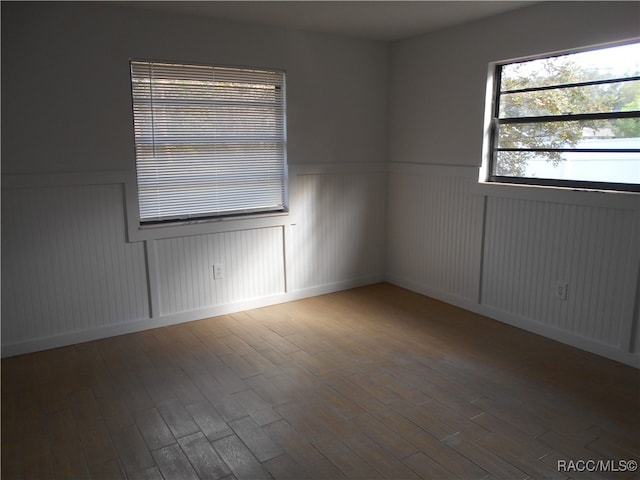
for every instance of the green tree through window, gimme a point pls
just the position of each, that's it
(548, 108)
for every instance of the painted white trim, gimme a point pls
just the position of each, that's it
(287, 256)
(631, 299)
(81, 336)
(329, 168)
(64, 179)
(105, 177)
(539, 193)
(153, 285)
(567, 196)
(429, 291)
(136, 233)
(434, 169)
(568, 338)
(202, 227)
(612, 352)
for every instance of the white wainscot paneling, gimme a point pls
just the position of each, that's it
(501, 251)
(253, 262)
(532, 245)
(434, 233)
(338, 228)
(66, 264)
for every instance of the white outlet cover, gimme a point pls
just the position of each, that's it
(562, 290)
(218, 271)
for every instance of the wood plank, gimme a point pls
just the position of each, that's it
(398, 384)
(487, 460)
(380, 459)
(424, 417)
(239, 459)
(285, 467)
(255, 406)
(347, 461)
(209, 420)
(519, 454)
(240, 366)
(391, 441)
(132, 450)
(28, 455)
(506, 430)
(337, 402)
(109, 470)
(296, 445)
(177, 418)
(439, 452)
(277, 389)
(205, 460)
(400, 388)
(375, 388)
(96, 442)
(426, 467)
(173, 463)
(254, 437)
(152, 473)
(297, 415)
(154, 430)
(261, 363)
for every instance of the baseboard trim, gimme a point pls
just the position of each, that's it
(81, 336)
(88, 335)
(424, 289)
(568, 338)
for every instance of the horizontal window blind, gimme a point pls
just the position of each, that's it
(210, 141)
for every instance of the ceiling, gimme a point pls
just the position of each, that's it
(379, 20)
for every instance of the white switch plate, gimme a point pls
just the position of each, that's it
(218, 271)
(561, 290)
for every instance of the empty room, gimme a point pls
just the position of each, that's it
(320, 240)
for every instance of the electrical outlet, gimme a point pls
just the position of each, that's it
(218, 271)
(562, 290)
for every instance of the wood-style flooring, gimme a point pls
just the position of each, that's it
(375, 382)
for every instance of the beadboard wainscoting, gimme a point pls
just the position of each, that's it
(338, 227)
(70, 275)
(501, 251)
(435, 227)
(67, 268)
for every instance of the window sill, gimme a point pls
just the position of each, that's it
(202, 227)
(575, 196)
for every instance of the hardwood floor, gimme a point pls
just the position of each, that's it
(375, 382)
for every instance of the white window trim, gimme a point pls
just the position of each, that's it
(563, 194)
(137, 232)
(231, 210)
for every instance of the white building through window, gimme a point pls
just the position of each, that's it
(568, 120)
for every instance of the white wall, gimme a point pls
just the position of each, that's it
(500, 251)
(68, 272)
(66, 88)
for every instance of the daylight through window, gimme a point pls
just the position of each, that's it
(210, 141)
(569, 120)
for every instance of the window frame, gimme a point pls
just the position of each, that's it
(214, 221)
(493, 121)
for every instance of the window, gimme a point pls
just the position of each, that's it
(210, 141)
(568, 120)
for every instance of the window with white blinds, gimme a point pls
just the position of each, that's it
(210, 141)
